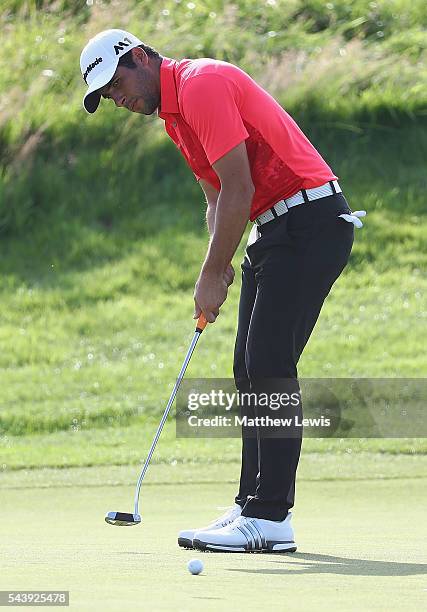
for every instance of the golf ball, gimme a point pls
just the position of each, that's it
(195, 566)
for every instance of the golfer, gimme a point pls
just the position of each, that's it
(253, 163)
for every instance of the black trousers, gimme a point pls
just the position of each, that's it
(287, 272)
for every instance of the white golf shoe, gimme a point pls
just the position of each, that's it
(185, 537)
(246, 534)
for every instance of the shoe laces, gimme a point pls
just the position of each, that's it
(229, 516)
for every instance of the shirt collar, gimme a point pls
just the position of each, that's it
(168, 93)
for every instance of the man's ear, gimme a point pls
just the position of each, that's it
(139, 56)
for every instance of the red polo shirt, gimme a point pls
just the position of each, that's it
(210, 106)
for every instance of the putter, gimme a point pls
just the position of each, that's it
(126, 519)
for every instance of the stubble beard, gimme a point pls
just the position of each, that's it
(150, 97)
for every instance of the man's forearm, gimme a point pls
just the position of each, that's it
(228, 221)
(210, 217)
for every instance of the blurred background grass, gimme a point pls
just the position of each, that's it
(102, 225)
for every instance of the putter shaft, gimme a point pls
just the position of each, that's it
(201, 324)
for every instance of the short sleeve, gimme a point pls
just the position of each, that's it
(208, 105)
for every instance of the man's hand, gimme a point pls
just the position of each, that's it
(209, 294)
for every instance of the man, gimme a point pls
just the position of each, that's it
(252, 162)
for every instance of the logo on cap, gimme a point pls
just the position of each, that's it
(121, 45)
(91, 67)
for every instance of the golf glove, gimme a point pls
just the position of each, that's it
(354, 217)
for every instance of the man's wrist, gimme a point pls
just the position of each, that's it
(212, 269)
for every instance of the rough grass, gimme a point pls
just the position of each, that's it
(353, 65)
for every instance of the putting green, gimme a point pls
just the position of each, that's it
(360, 541)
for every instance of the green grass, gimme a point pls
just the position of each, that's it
(96, 320)
(349, 460)
(102, 237)
(53, 156)
(110, 361)
(349, 557)
(103, 230)
(123, 446)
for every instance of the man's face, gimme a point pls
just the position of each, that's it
(137, 89)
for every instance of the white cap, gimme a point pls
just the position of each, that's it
(99, 59)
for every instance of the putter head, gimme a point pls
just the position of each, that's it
(122, 519)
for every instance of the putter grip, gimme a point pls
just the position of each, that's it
(201, 323)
